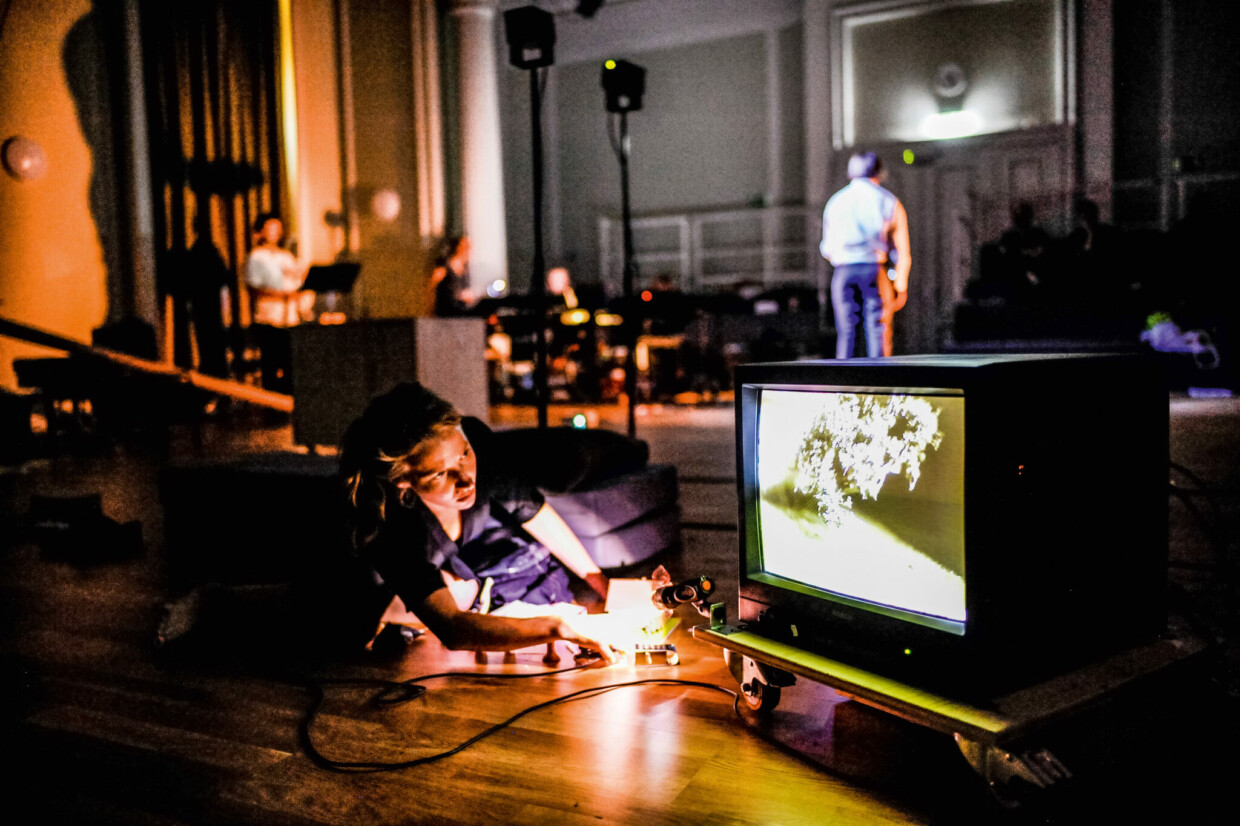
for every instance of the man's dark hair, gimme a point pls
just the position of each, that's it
(864, 165)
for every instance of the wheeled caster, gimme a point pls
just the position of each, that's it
(760, 684)
(760, 696)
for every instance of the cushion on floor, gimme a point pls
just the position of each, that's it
(616, 502)
(637, 541)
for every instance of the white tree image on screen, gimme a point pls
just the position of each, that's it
(856, 442)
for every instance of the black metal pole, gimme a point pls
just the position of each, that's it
(632, 316)
(538, 286)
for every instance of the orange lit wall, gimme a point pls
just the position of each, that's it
(52, 273)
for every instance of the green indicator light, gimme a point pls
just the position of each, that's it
(611, 64)
(908, 651)
(909, 157)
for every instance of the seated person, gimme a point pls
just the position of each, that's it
(477, 556)
(451, 294)
(560, 293)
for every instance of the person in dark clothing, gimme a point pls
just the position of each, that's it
(1026, 250)
(450, 287)
(1094, 253)
(196, 277)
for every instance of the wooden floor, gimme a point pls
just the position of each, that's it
(99, 728)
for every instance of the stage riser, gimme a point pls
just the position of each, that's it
(337, 369)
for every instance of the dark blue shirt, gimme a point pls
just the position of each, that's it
(411, 546)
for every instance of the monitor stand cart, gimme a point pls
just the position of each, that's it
(990, 738)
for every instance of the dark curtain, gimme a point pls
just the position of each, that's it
(213, 109)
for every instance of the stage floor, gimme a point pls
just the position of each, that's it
(104, 730)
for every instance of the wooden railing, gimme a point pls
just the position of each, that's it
(175, 375)
(715, 250)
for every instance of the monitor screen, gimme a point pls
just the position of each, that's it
(860, 497)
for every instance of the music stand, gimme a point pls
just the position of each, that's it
(331, 281)
(332, 278)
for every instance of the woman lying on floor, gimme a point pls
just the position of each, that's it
(442, 534)
(463, 544)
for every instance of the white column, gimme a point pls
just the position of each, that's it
(482, 172)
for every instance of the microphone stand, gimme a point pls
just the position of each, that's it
(632, 316)
(538, 286)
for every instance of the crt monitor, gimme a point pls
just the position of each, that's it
(976, 520)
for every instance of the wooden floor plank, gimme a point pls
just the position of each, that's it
(173, 743)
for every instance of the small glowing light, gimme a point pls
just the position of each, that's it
(945, 125)
(647, 295)
(497, 288)
(611, 64)
(579, 421)
(603, 319)
(908, 651)
(572, 318)
(909, 157)
(385, 205)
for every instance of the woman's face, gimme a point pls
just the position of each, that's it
(444, 472)
(272, 231)
(460, 256)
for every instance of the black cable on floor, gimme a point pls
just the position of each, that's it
(1211, 526)
(395, 693)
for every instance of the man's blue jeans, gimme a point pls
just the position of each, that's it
(855, 297)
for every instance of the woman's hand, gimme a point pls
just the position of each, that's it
(587, 631)
(396, 614)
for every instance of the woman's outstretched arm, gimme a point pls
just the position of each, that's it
(471, 631)
(549, 528)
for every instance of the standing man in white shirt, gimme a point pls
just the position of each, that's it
(865, 237)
